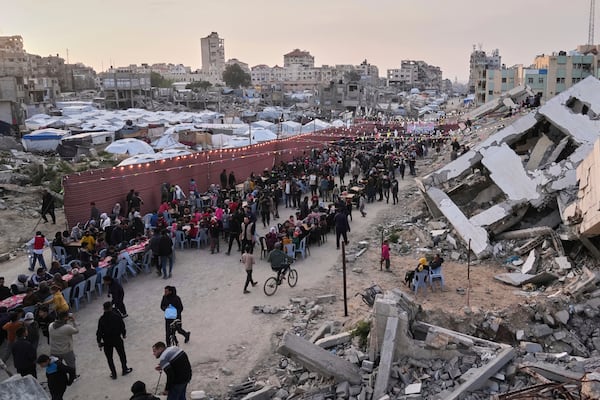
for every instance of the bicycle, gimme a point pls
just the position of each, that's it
(173, 332)
(273, 282)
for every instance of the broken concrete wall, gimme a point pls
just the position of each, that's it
(588, 174)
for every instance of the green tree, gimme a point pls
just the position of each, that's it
(157, 80)
(195, 86)
(234, 76)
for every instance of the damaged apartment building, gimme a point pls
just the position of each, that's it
(526, 176)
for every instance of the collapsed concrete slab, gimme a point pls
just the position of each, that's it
(22, 388)
(532, 162)
(319, 360)
(387, 358)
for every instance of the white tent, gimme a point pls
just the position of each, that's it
(220, 140)
(139, 159)
(262, 124)
(129, 146)
(315, 125)
(289, 128)
(262, 135)
(338, 123)
(170, 141)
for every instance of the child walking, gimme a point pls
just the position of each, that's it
(385, 255)
(248, 261)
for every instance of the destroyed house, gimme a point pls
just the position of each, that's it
(523, 176)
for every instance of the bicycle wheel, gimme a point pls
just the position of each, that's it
(270, 286)
(292, 277)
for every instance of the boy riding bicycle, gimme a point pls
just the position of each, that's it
(279, 261)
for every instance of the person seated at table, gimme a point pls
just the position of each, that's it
(40, 276)
(296, 237)
(59, 281)
(5, 292)
(58, 240)
(137, 225)
(89, 271)
(76, 279)
(76, 232)
(271, 238)
(100, 244)
(56, 268)
(30, 298)
(66, 237)
(43, 291)
(192, 232)
(88, 241)
(19, 285)
(85, 257)
(58, 300)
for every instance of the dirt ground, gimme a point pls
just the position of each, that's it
(228, 341)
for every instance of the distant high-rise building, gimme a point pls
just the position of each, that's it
(213, 54)
(479, 63)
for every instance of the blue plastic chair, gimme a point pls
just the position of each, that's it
(67, 295)
(78, 294)
(59, 253)
(301, 248)
(197, 239)
(147, 261)
(119, 271)
(180, 239)
(100, 274)
(436, 275)
(420, 281)
(290, 250)
(90, 287)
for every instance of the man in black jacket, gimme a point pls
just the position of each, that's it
(115, 290)
(24, 354)
(176, 365)
(170, 298)
(48, 206)
(58, 374)
(139, 392)
(110, 334)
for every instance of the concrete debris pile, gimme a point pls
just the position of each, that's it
(523, 176)
(555, 350)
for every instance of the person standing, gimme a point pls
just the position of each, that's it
(48, 206)
(248, 261)
(341, 227)
(231, 180)
(247, 234)
(362, 201)
(116, 292)
(59, 375)
(385, 255)
(24, 354)
(110, 334)
(171, 300)
(223, 179)
(33, 330)
(395, 191)
(165, 253)
(175, 364)
(37, 244)
(61, 334)
(11, 328)
(235, 227)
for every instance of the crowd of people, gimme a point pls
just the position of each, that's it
(295, 201)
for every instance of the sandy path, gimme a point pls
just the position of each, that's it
(225, 332)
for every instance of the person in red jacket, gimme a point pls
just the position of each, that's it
(37, 245)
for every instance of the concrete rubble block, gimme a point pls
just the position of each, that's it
(437, 233)
(321, 331)
(413, 388)
(334, 340)
(590, 386)
(562, 316)
(531, 347)
(386, 357)
(437, 340)
(476, 378)
(563, 263)
(367, 365)
(363, 244)
(541, 330)
(342, 390)
(319, 360)
(455, 255)
(452, 241)
(22, 388)
(529, 266)
(553, 372)
(586, 282)
(325, 298)
(266, 393)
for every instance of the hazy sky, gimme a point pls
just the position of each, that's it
(439, 32)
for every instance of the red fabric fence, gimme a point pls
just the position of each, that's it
(108, 186)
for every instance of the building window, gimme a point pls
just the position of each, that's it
(503, 80)
(490, 92)
(529, 80)
(560, 80)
